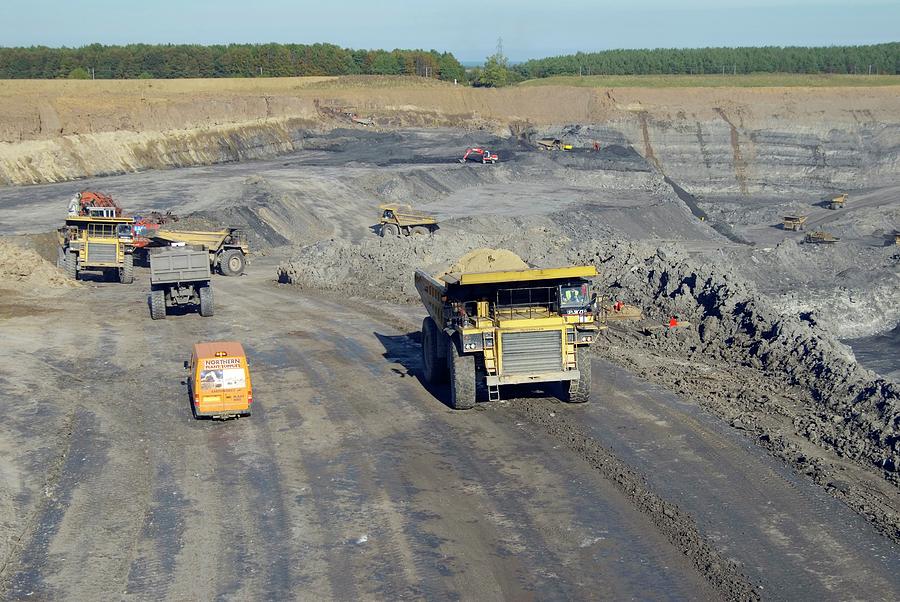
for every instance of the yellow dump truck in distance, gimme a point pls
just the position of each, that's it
(228, 248)
(398, 219)
(219, 382)
(489, 329)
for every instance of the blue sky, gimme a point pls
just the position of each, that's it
(469, 29)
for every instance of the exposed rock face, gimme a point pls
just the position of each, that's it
(710, 140)
(726, 157)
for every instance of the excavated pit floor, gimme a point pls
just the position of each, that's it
(352, 479)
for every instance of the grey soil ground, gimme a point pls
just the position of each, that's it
(353, 480)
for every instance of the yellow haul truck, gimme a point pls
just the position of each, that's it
(488, 329)
(97, 242)
(219, 382)
(228, 249)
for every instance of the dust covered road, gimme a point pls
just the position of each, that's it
(349, 481)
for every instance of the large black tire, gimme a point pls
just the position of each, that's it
(419, 231)
(462, 378)
(232, 262)
(60, 258)
(579, 391)
(389, 231)
(126, 272)
(434, 367)
(158, 304)
(206, 301)
(72, 265)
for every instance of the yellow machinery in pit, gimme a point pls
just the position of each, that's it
(97, 241)
(489, 329)
(228, 248)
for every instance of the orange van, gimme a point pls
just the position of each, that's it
(219, 382)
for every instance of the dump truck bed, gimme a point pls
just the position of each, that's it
(407, 216)
(169, 265)
(210, 240)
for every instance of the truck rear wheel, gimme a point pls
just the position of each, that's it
(206, 301)
(72, 265)
(158, 304)
(462, 378)
(232, 262)
(434, 366)
(579, 391)
(126, 272)
(419, 231)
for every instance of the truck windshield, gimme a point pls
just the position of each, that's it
(573, 296)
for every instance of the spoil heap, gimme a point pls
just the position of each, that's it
(23, 270)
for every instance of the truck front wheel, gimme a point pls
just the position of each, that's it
(579, 391)
(232, 263)
(126, 272)
(389, 231)
(72, 265)
(206, 301)
(158, 304)
(434, 367)
(462, 378)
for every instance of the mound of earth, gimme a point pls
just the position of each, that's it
(23, 269)
(485, 260)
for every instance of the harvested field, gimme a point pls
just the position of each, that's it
(752, 453)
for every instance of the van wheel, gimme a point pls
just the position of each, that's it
(72, 265)
(579, 391)
(462, 378)
(126, 272)
(232, 263)
(206, 301)
(158, 305)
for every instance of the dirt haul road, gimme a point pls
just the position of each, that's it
(351, 480)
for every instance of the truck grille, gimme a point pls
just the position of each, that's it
(531, 352)
(101, 252)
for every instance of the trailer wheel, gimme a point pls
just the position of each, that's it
(579, 391)
(206, 301)
(462, 378)
(126, 272)
(419, 231)
(389, 230)
(72, 265)
(434, 366)
(158, 304)
(232, 262)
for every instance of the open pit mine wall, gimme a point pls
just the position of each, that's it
(723, 140)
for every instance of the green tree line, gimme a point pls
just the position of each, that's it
(232, 60)
(880, 58)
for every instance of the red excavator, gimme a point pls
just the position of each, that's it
(479, 154)
(93, 204)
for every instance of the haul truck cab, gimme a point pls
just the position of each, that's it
(219, 382)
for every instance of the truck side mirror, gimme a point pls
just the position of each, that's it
(185, 364)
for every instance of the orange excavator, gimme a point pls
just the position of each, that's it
(88, 203)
